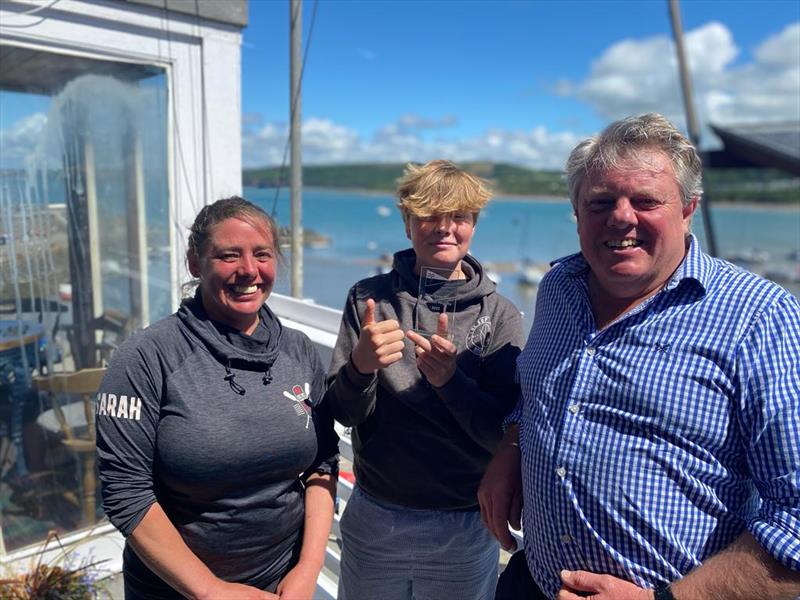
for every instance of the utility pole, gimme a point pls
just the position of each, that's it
(691, 117)
(296, 177)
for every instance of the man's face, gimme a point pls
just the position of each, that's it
(632, 225)
(441, 240)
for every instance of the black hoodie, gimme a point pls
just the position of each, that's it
(416, 445)
(219, 428)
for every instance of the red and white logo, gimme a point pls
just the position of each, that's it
(299, 396)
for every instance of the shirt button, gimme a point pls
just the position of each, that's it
(561, 472)
(591, 350)
(574, 408)
(566, 539)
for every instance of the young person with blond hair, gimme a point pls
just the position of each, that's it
(425, 376)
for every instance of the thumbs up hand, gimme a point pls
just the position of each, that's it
(436, 358)
(380, 343)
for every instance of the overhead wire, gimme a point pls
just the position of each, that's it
(29, 13)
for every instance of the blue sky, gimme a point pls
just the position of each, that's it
(509, 81)
(503, 80)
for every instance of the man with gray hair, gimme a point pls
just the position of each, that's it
(655, 449)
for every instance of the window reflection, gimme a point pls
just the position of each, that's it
(84, 262)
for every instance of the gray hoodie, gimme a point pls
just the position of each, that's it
(416, 445)
(220, 429)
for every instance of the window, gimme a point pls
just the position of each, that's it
(84, 261)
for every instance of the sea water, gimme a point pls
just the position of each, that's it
(362, 227)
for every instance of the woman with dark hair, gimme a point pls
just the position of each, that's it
(217, 461)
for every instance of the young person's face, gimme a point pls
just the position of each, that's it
(441, 240)
(236, 272)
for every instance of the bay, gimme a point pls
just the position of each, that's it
(364, 226)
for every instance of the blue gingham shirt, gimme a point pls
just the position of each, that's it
(651, 445)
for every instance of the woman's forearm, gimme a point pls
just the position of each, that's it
(301, 581)
(156, 541)
(320, 495)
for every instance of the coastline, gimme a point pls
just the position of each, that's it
(503, 197)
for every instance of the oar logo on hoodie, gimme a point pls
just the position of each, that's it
(299, 396)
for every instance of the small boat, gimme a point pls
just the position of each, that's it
(383, 210)
(749, 256)
(783, 273)
(531, 274)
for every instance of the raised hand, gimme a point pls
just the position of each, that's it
(380, 343)
(436, 358)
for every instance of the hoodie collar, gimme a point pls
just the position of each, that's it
(229, 345)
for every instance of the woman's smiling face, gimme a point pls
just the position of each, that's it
(236, 271)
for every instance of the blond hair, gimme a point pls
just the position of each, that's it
(440, 187)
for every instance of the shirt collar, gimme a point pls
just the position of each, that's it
(697, 266)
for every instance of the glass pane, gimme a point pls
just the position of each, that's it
(84, 261)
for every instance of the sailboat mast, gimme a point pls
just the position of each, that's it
(691, 116)
(296, 168)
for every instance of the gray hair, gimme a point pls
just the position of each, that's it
(625, 139)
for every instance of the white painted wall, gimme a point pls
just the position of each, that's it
(202, 59)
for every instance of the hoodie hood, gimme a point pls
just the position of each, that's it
(473, 289)
(232, 348)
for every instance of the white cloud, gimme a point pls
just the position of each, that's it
(19, 141)
(769, 87)
(326, 142)
(782, 49)
(636, 76)
(632, 76)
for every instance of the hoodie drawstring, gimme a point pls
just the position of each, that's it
(267, 379)
(230, 377)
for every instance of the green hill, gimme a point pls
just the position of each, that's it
(505, 179)
(732, 185)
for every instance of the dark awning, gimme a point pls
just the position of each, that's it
(766, 145)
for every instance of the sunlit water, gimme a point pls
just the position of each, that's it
(509, 231)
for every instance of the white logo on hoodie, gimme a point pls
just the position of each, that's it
(479, 336)
(300, 395)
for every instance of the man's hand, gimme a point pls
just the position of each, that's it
(436, 358)
(380, 343)
(576, 585)
(500, 492)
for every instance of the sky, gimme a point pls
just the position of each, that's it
(508, 81)
(511, 81)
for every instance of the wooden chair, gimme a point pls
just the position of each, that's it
(76, 424)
